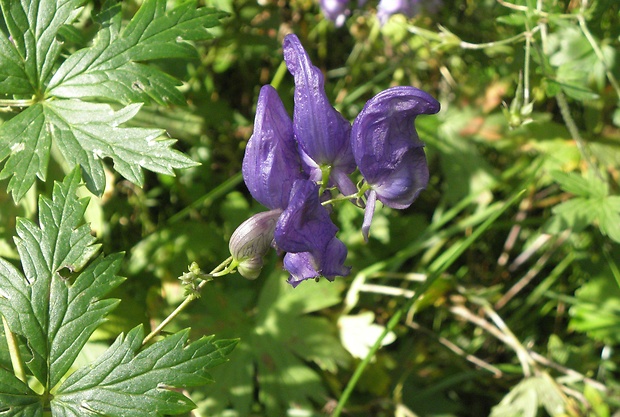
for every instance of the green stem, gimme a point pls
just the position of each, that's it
(435, 270)
(279, 75)
(8, 104)
(599, 54)
(16, 359)
(185, 303)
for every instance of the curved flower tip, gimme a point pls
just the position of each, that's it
(306, 232)
(271, 163)
(387, 148)
(320, 130)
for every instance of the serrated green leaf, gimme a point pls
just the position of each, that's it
(128, 382)
(85, 133)
(609, 218)
(527, 396)
(33, 25)
(109, 69)
(13, 78)
(588, 186)
(56, 304)
(16, 398)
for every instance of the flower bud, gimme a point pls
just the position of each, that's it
(251, 241)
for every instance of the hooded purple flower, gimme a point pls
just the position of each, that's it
(387, 149)
(321, 132)
(272, 173)
(271, 163)
(306, 232)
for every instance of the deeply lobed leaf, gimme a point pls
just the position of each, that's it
(128, 382)
(56, 303)
(109, 70)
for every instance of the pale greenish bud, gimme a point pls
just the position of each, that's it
(251, 242)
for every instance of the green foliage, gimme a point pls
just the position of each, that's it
(61, 95)
(279, 335)
(56, 305)
(523, 319)
(591, 204)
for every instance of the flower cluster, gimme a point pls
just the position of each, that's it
(293, 166)
(338, 10)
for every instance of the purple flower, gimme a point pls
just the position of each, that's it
(335, 10)
(271, 163)
(306, 232)
(387, 8)
(321, 132)
(272, 173)
(387, 149)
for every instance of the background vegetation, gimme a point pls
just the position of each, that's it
(512, 252)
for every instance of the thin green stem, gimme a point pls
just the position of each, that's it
(435, 270)
(507, 41)
(279, 75)
(7, 105)
(599, 53)
(185, 303)
(16, 359)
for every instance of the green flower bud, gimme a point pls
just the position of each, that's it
(251, 241)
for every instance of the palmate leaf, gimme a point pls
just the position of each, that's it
(109, 70)
(60, 96)
(32, 49)
(55, 305)
(125, 382)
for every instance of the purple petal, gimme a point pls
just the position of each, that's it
(304, 265)
(271, 163)
(387, 148)
(306, 232)
(301, 266)
(305, 225)
(369, 212)
(322, 132)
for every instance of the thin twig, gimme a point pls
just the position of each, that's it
(184, 304)
(532, 273)
(497, 373)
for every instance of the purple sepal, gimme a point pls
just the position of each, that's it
(306, 230)
(387, 148)
(271, 163)
(320, 130)
(303, 266)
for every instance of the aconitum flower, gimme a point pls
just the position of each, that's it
(320, 130)
(335, 10)
(387, 149)
(290, 165)
(297, 222)
(306, 232)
